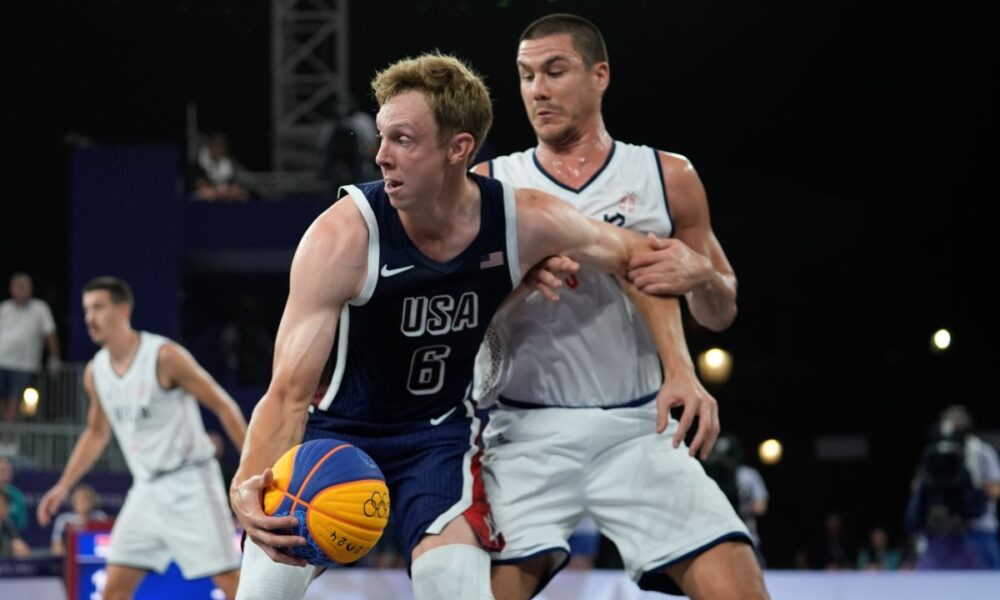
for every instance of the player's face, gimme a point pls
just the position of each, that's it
(410, 154)
(560, 93)
(102, 316)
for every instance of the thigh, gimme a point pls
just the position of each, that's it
(438, 480)
(433, 474)
(198, 527)
(728, 571)
(533, 474)
(136, 539)
(654, 501)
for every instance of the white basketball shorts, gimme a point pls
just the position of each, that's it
(182, 517)
(547, 468)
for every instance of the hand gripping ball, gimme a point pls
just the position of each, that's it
(337, 493)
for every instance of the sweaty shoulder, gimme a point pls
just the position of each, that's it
(335, 247)
(677, 168)
(171, 360)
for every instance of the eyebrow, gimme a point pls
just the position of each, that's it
(546, 63)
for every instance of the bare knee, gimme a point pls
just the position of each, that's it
(520, 581)
(228, 582)
(113, 592)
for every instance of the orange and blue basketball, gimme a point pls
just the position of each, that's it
(339, 496)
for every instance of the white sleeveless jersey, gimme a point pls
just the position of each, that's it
(592, 348)
(159, 431)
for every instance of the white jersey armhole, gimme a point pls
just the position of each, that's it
(371, 269)
(371, 278)
(510, 213)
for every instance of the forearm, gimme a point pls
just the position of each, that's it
(52, 342)
(88, 449)
(663, 319)
(713, 304)
(275, 426)
(233, 424)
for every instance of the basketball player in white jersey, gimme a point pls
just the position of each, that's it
(146, 389)
(581, 424)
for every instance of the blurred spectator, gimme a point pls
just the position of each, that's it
(584, 543)
(877, 555)
(349, 144)
(17, 511)
(26, 326)
(953, 503)
(984, 468)
(832, 551)
(247, 345)
(741, 483)
(215, 172)
(11, 544)
(85, 502)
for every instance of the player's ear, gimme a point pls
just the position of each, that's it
(601, 72)
(460, 148)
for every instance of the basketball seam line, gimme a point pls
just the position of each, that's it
(312, 507)
(298, 494)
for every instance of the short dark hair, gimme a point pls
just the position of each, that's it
(120, 292)
(587, 38)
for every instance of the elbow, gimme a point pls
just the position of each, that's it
(716, 322)
(100, 434)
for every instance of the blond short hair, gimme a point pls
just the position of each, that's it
(455, 93)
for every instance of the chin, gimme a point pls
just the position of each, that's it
(552, 134)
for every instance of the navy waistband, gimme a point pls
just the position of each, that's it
(531, 405)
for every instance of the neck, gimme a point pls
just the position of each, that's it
(438, 218)
(578, 155)
(122, 346)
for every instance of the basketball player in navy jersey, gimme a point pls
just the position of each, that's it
(622, 457)
(391, 291)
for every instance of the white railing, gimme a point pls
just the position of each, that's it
(49, 424)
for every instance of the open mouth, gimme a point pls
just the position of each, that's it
(392, 185)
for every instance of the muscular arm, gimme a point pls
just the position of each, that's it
(328, 269)
(680, 382)
(693, 263)
(88, 449)
(177, 367)
(548, 226)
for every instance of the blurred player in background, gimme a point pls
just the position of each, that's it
(146, 389)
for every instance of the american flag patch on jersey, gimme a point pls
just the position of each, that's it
(493, 259)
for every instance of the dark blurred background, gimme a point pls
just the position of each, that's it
(847, 149)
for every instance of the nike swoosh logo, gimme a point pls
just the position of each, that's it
(439, 420)
(387, 272)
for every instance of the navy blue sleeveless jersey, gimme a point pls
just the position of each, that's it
(406, 347)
